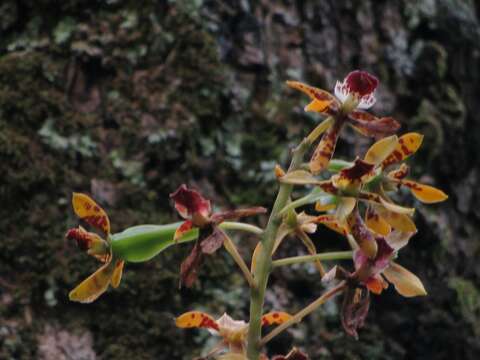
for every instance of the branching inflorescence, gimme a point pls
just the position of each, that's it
(351, 198)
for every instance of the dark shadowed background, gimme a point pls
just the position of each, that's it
(128, 99)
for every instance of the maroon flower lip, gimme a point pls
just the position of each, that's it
(361, 82)
(189, 202)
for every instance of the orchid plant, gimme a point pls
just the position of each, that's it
(351, 198)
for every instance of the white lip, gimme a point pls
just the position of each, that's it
(342, 93)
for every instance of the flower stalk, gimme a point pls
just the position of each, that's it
(264, 261)
(304, 312)
(233, 251)
(336, 255)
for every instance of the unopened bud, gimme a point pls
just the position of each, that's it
(279, 172)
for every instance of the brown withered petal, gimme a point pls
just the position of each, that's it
(213, 242)
(210, 238)
(356, 303)
(335, 273)
(371, 125)
(222, 216)
(189, 266)
(294, 354)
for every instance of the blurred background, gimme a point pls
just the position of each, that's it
(126, 100)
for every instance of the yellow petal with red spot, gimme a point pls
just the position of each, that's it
(332, 223)
(381, 150)
(325, 149)
(275, 318)
(89, 211)
(425, 193)
(117, 273)
(406, 283)
(407, 145)
(93, 286)
(399, 173)
(399, 222)
(376, 223)
(196, 319)
(316, 94)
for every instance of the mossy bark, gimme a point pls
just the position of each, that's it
(127, 100)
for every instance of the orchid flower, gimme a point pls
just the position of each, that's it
(367, 180)
(197, 212)
(111, 270)
(370, 181)
(354, 94)
(233, 332)
(373, 274)
(376, 273)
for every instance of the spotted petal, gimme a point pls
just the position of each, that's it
(377, 199)
(372, 126)
(90, 212)
(425, 193)
(407, 145)
(196, 319)
(361, 171)
(93, 286)
(322, 101)
(275, 318)
(381, 150)
(325, 149)
(406, 283)
(332, 223)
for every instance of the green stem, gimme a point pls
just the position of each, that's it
(232, 225)
(304, 312)
(233, 251)
(337, 255)
(264, 261)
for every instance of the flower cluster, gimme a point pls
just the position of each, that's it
(367, 184)
(355, 199)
